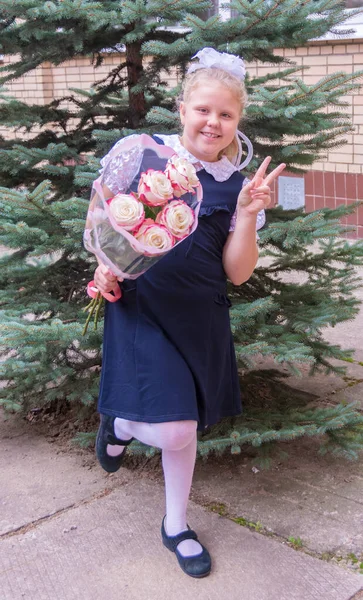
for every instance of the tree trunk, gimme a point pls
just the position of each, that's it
(137, 108)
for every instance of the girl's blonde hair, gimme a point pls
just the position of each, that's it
(235, 85)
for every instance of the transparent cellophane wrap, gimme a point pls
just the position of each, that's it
(125, 256)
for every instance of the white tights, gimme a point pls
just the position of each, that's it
(178, 442)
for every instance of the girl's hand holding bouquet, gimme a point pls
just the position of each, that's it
(105, 281)
(131, 230)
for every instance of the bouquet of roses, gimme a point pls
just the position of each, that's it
(132, 229)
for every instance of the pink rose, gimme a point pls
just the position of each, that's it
(154, 188)
(154, 235)
(127, 211)
(178, 217)
(182, 175)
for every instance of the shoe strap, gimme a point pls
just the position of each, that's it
(114, 441)
(174, 540)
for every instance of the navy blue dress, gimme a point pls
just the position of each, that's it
(168, 352)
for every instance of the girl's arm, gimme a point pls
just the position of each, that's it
(240, 253)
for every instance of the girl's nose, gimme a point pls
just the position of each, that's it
(213, 120)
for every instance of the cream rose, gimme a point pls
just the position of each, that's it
(127, 211)
(182, 175)
(154, 188)
(178, 217)
(154, 235)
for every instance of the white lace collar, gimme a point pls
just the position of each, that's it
(221, 169)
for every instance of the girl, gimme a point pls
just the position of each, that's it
(169, 366)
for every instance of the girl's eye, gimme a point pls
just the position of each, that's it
(226, 115)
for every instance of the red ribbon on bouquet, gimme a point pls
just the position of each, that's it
(113, 296)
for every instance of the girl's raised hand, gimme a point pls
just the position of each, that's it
(256, 195)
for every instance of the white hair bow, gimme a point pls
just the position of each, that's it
(210, 58)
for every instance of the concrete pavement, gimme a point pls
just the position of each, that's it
(71, 532)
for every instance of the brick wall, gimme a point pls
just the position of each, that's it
(338, 179)
(331, 189)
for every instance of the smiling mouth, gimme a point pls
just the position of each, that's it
(212, 136)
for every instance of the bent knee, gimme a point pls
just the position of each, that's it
(179, 434)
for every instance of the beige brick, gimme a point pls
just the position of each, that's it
(340, 68)
(314, 60)
(346, 149)
(340, 59)
(352, 48)
(72, 78)
(329, 166)
(358, 119)
(358, 100)
(339, 49)
(354, 169)
(311, 79)
(314, 50)
(89, 70)
(358, 138)
(317, 166)
(326, 50)
(59, 72)
(358, 148)
(87, 78)
(358, 110)
(301, 51)
(289, 52)
(264, 71)
(358, 59)
(340, 157)
(298, 60)
(47, 77)
(82, 62)
(315, 71)
(323, 71)
(72, 71)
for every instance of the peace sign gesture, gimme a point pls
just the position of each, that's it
(256, 195)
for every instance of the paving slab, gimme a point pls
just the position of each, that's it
(110, 548)
(37, 479)
(316, 498)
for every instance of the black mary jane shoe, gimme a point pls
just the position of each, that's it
(195, 566)
(105, 436)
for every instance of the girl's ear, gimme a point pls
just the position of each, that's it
(182, 112)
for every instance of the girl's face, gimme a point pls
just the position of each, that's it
(210, 118)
